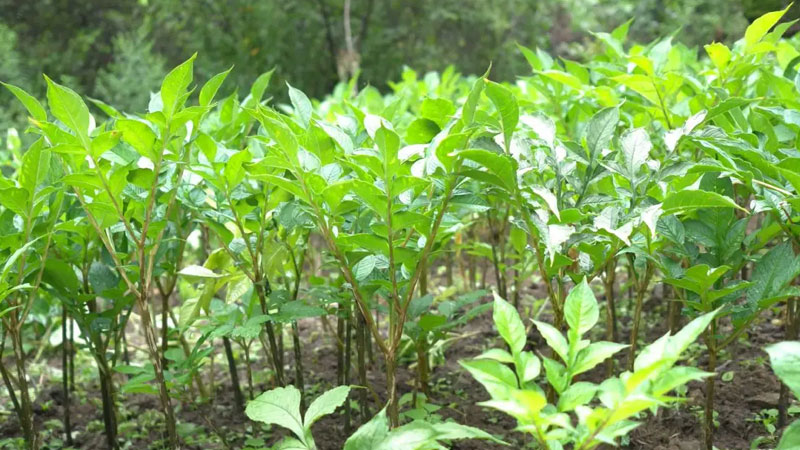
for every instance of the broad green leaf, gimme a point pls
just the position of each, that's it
(325, 404)
(209, 90)
(580, 308)
(508, 324)
(785, 360)
(195, 271)
(364, 267)
(175, 85)
(774, 271)
(370, 435)
(449, 431)
(506, 104)
(139, 136)
(471, 103)
(635, 150)
(30, 102)
(301, 104)
(554, 339)
(593, 355)
(279, 406)
(719, 53)
(9, 264)
(102, 277)
(688, 334)
(791, 437)
(601, 129)
(258, 88)
(16, 199)
(413, 436)
(689, 200)
(528, 366)
(68, 107)
(35, 166)
(759, 28)
(496, 377)
(580, 393)
(564, 78)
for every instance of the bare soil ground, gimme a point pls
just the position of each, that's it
(752, 389)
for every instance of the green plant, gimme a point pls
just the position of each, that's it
(281, 406)
(785, 360)
(576, 418)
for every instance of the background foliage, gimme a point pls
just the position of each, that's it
(116, 49)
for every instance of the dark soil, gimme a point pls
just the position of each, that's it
(752, 389)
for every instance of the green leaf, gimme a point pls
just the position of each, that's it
(471, 103)
(370, 435)
(689, 200)
(279, 406)
(497, 354)
(508, 324)
(258, 88)
(688, 334)
(554, 339)
(528, 366)
(439, 110)
(719, 54)
(421, 131)
(791, 437)
(759, 28)
(139, 136)
(597, 352)
(102, 277)
(30, 102)
(580, 309)
(601, 129)
(175, 85)
(364, 267)
(68, 107)
(506, 104)
(209, 90)
(448, 431)
(496, 377)
(301, 104)
(580, 393)
(325, 404)
(774, 271)
(635, 150)
(785, 360)
(201, 272)
(16, 199)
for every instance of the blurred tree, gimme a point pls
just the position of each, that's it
(11, 71)
(99, 46)
(134, 70)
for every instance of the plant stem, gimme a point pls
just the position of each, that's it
(790, 332)
(155, 359)
(611, 310)
(361, 335)
(65, 376)
(708, 424)
(26, 408)
(347, 352)
(641, 290)
(298, 365)
(237, 390)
